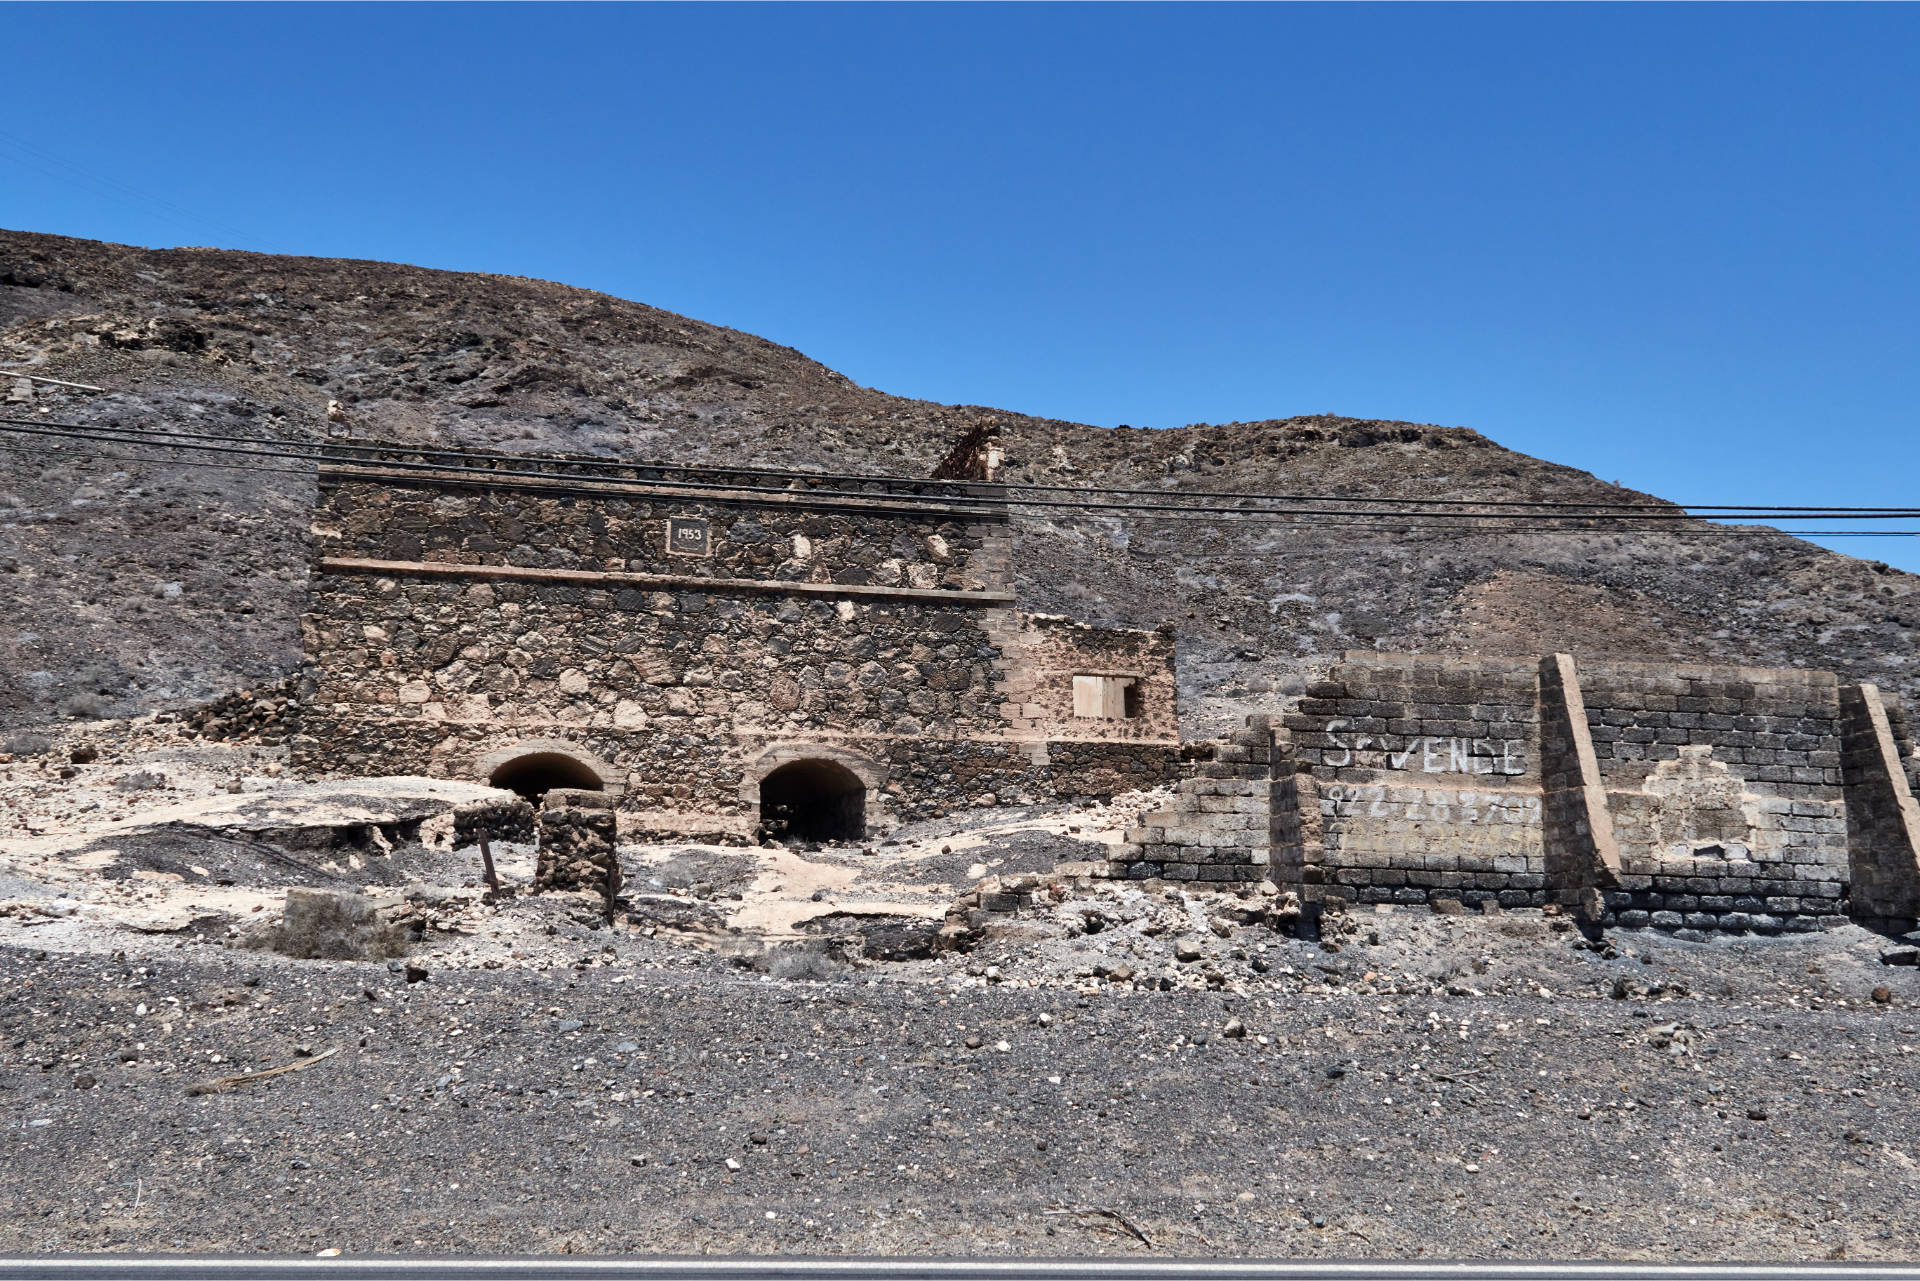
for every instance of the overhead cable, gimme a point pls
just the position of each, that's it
(1183, 505)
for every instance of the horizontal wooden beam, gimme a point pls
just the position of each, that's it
(992, 509)
(619, 578)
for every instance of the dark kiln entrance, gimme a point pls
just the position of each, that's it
(814, 801)
(537, 773)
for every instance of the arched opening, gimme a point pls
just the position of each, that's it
(813, 800)
(537, 773)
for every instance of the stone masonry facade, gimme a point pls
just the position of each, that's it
(675, 638)
(1699, 798)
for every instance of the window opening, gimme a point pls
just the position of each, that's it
(1108, 698)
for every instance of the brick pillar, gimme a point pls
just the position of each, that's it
(578, 833)
(1298, 854)
(1883, 820)
(1582, 857)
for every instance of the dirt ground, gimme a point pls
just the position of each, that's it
(720, 1065)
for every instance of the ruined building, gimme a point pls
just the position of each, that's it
(726, 653)
(1682, 797)
(736, 654)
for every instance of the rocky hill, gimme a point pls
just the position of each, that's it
(127, 585)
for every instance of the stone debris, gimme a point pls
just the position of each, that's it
(265, 716)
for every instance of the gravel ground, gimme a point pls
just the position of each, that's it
(639, 1095)
(1119, 1068)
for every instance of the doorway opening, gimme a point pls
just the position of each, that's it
(537, 773)
(813, 800)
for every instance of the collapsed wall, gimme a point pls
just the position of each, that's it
(1693, 797)
(1216, 828)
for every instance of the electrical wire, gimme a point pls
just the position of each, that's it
(1372, 522)
(317, 453)
(327, 449)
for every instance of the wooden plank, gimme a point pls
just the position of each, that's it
(620, 578)
(683, 492)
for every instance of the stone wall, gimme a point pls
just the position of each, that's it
(1217, 827)
(1725, 790)
(776, 537)
(1425, 775)
(452, 626)
(1883, 821)
(1044, 653)
(1679, 797)
(1583, 857)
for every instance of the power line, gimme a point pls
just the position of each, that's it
(1181, 500)
(1372, 522)
(317, 453)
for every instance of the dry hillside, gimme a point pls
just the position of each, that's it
(126, 585)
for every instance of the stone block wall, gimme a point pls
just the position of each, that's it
(1725, 791)
(1678, 797)
(1422, 777)
(1883, 820)
(1583, 858)
(1216, 830)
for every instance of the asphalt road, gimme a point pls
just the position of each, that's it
(149, 1268)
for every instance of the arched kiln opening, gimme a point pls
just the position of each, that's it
(537, 773)
(814, 800)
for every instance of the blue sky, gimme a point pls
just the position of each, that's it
(1672, 245)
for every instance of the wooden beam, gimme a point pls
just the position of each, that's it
(613, 578)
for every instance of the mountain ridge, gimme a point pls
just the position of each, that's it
(142, 585)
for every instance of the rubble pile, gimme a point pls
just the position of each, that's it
(264, 716)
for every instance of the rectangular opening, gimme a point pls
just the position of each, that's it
(1107, 698)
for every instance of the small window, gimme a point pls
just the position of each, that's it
(1107, 698)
